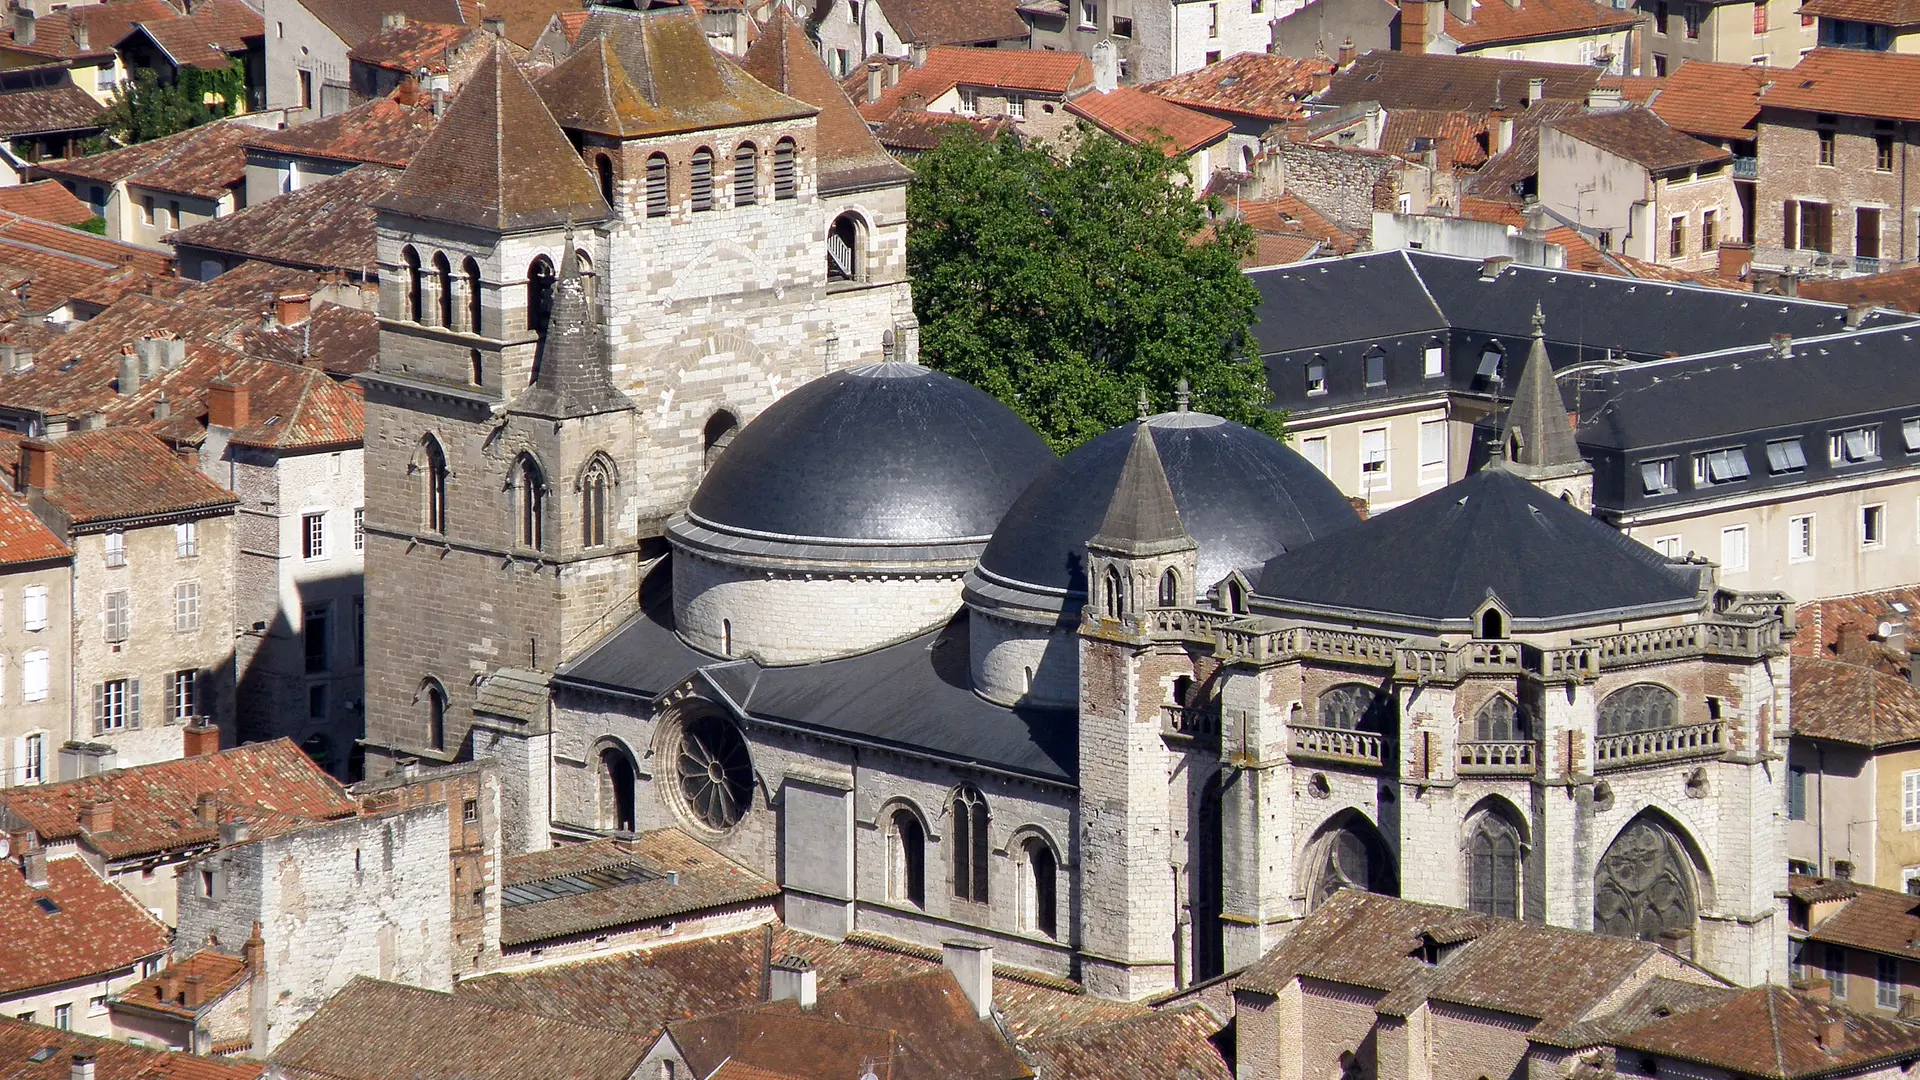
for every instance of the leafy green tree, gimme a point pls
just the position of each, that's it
(1066, 287)
(144, 108)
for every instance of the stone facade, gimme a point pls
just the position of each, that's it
(35, 644)
(1844, 207)
(469, 795)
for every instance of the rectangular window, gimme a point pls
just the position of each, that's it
(116, 548)
(969, 101)
(1786, 456)
(1883, 153)
(186, 607)
(63, 1017)
(657, 186)
(1910, 800)
(146, 209)
(314, 635)
(97, 1006)
(306, 89)
(1376, 368)
(1800, 538)
(359, 529)
(1834, 965)
(1886, 982)
(1315, 451)
(1733, 548)
(1725, 466)
(1866, 233)
(359, 631)
(1122, 28)
(1660, 16)
(119, 615)
(1435, 364)
(1016, 107)
(183, 696)
(1373, 458)
(116, 705)
(1656, 477)
(1709, 229)
(1796, 794)
(1089, 14)
(1677, 238)
(36, 675)
(33, 600)
(1695, 15)
(1826, 146)
(1492, 363)
(1910, 435)
(1433, 451)
(316, 703)
(173, 213)
(1316, 377)
(313, 534)
(1213, 20)
(1760, 18)
(33, 758)
(1668, 546)
(1873, 526)
(186, 540)
(470, 811)
(1853, 445)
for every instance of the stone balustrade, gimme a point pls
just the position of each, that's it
(1507, 758)
(1339, 745)
(1660, 744)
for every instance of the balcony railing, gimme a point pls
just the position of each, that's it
(1496, 758)
(1339, 745)
(1821, 263)
(1660, 744)
(1201, 724)
(1746, 168)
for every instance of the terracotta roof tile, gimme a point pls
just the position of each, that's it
(383, 131)
(165, 991)
(1280, 249)
(630, 885)
(1896, 289)
(210, 37)
(45, 200)
(527, 18)
(21, 1042)
(76, 373)
(93, 927)
(292, 406)
(24, 538)
(59, 108)
(849, 155)
(1847, 703)
(270, 786)
(329, 226)
(113, 474)
(954, 22)
(919, 131)
(1772, 1032)
(1176, 1044)
(1259, 85)
(1852, 82)
(416, 45)
(1641, 137)
(1458, 136)
(1495, 22)
(103, 25)
(354, 21)
(1634, 89)
(208, 161)
(1057, 73)
(55, 264)
(1291, 214)
(1438, 81)
(1506, 171)
(1137, 117)
(1718, 101)
(341, 340)
(1877, 920)
(1881, 12)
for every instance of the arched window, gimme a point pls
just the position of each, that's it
(1643, 886)
(1246, 159)
(476, 367)
(1169, 588)
(471, 271)
(879, 42)
(726, 637)
(970, 845)
(540, 278)
(443, 270)
(843, 249)
(907, 859)
(434, 698)
(1236, 597)
(1492, 626)
(416, 284)
(603, 168)
(786, 181)
(657, 205)
(702, 179)
(531, 493)
(746, 174)
(1501, 720)
(616, 789)
(1493, 866)
(1113, 593)
(595, 484)
(1040, 910)
(433, 485)
(1348, 853)
(589, 281)
(721, 427)
(1356, 707)
(1640, 707)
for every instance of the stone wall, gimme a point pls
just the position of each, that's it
(1338, 181)
(48, 719)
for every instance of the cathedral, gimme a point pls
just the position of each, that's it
(664, 517)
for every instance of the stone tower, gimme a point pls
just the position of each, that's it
(1538, 442)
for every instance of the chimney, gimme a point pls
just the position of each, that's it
(1605, 99)
(1322, 78)
(1493, 266)
(96, 815)
(206, 809)
(227, 405)
(1536, 86)
(1833, 1035)
(83, 1066)
(78, 31)
(1734, 259)
(36, 465)
(495, 25)
(233, 832)
(1502, 134)
(162, 408)
(873, 80)
(190, 993)
(23, 26)
(393, 20)
(1782, 346)
(1106, 68)
(1359, 504)
(972, 966)
(893, 74)
(1848, 639)
(917, 54)
(201, 739)
(1818, 989)
(292, 309)
(794, 978)
(1346, 53)
(1857, 314)
(34, 866)
(254, 952)
(129, 383)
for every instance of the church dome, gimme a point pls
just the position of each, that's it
(1243, 496)
(882, 454)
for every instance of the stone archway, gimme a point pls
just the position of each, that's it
(1348, 853)
(1645, 885)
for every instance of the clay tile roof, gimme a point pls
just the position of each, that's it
(655, 73)
(354, 21)
(1718, 101)
(409, 48)
(103, 24)
(59, 108)
(527, 18)
(163, 992)
(954, 22)
(118, 473)
(1056, 73)
(59, 264)
(383, 131)
(624, 882)
(337, 339)
(1851, 704)
(94, 927)
(371, 1031)
(1634, 89)
(1291, 214)
(1438, 81)
(1896, 289)
(1248, 84)
(22, 1042)
(1881, 12)
(45, 200)
(1641, 137)
(270, 786)
(849, 155)
(1456, 135)
(1520, 162)
(1851, 82)
(911, 132)
(1772, 1032)
(1280, 249)
(1877, 920)
(208, 38)
(1497, 23)
(329, 226)
(207, 161)
(290, 406)
(76, 373)
(1173, 1043)
(23, 537)
(498, 160)
(1136, 117)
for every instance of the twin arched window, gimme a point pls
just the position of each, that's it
(1357, 707)
(432, 467)
(596, 483)
(1502, 719)
(970, 846)
(531, 494)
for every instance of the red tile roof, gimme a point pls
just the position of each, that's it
(1641, 137)
(1290, 213)
(848, 153)
(1441, 81)
(1497, 23)
(104, 25)
(1173, 1043)
(291, 406)
(165, 991)
(916, 131)
(38, 112)
(1877, 920)
(45, 200)
(338, 339)
(1896, 289)
(119, 473)
(409, 48)
(21, 1043)
(1135, 117)
(1634, 89)
(384, 131)
(272, 787)
(1775, 1033)
(1881, 12)
(354, 21)
(1851, 82)
(55, 264)
(327, 226)
(1848, 703)
(1458, 136)
(707, 880)
(215, 32)
(1719, 101)
(1260, 85)
(76, 373)
(24, 538)
(208, 161)
(953, 22)
(94, 927)
(1054, 73)
(1280, 249)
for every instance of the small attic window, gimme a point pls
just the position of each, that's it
(46, 904)
(44, 1054)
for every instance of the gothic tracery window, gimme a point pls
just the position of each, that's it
(1169, 588)
(970, 848)
(716, 771)
(1501, 719)
(1350, 856)
(1493, 866)
(1643, 886)
(1355, 707)
(1113, 590)
(595, 484)
(1640, 707)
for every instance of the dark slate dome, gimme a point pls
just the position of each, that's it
(886, 453)
(1243, 496)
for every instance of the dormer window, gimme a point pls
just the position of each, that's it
(1910, 435)
(1854, 445)
(1726, 466)
(1656, 477)
(1786, 456)
(1493, 362)
(1316, 376)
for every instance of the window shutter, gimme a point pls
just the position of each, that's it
(173, 698)
(133, 704)
(99, 707)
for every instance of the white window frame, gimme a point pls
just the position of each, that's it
(1380, 476)
(1728, 537)
(968, 100)
(115, 551)
(1663, 468)
(1317, 450)
(182, 707)
(186, 607)
(1910, 800)
(1853, 446)
(1668, 546)
(33, 757)
(1434, 359)
(1433, 458)
(1016, 107)
(1877, 514)
(359, 529)
(33, 603)
(36, 675)
(186, 540)
(1800, 538)
(313, 535)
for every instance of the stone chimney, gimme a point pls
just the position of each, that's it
(23, 26)
(1347, 53)
(83, 1066)
(36, 465)
(34, 866)
(233, 832)
(78, 31)
(874, 80)
(1502, 134)
(972, 966)
(292, 309)
(162, 408)
(1536, 86)
(1106, 68)
(393, 20)
(200, 740)
(1782, 346)
(1833, 1035)
(1605, 99)
(1857, 314)
(129, 382)
(227, 405)
(206, 809)
(495, 25)
(794, 977)
(917, 54)
(96, 815)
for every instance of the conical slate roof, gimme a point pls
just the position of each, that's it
(1539, 415)
(848, 154)
(498, 161)
(1142, 518)
(571, 376)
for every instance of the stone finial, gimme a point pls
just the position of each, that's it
(1539, 321)
(1145, 405)
(1183, 397)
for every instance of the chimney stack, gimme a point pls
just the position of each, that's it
(1536, 90)
(292, 309)
(1833, 1035)
(227, 405)
(83, 1066)
(1782, 346)
(873, 80)
(129, 383)
(78, 31)
(794, 977)
(917, 54)
(201, 739)
(207, 809)
(162, 408)
(495, 25)
(1322, 77)
(972, 966)
(233, 832)
(36, 465)
(190, 994)
(1857, 314)
(34, 866)
(23, 26)
(254, 952)
(96, 815)
(1346, 53)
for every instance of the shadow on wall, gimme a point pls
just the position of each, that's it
(305, 681)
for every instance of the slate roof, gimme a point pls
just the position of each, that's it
(1431, 562)
(1882, 12)
(1877, 920)
(272, 787)
(94, 928)
(1641, 137)
(954, 22)
(371, 1030)
(209, 36)
(498, 161)
(849, 155)
(621, 883)
(1496, 23)
(42, 111)
(113, 1059)
(1260, 85)
(1136, 117)
(1437, 81)
(1847, 703)
(114, 474)
(207, 161)
(1141, 516)
(1052, 73)
(327, 226)
(384, 131)
(1718, 101)
(45, 200)
(514, 692)
(1172, 1044)
(1849, 82)
(354, 22)
(654, 73)
(165, 991)
(23, 537)
(1773, 1032)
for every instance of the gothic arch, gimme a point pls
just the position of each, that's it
(1347, 852)
(430, 464)
(528, 482)
(598, 484)
(971, 844)
(603, 172)
(1652, 882)
(432, 700)
(1039, 862)
(1640, 707)
(1493, 847)
(1500, 718)
(616, 775)
(1357, 707)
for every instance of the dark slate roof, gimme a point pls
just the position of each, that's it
(644, 656)
(1436, 559)
(498, 161)
(573, 377)
(890, 453)
(1242, 495)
